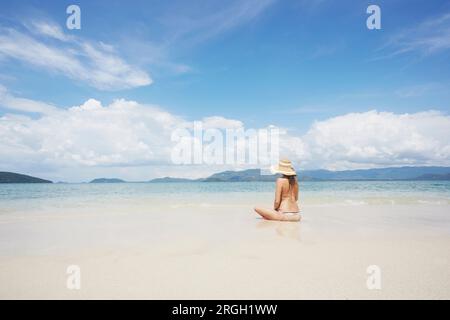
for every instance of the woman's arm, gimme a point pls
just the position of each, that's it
(277, 202)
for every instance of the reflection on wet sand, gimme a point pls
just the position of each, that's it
(282, 228)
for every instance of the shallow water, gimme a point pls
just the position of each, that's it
(23, 197)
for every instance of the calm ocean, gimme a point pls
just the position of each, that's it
(41, 196)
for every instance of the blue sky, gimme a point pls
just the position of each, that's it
(288, 63)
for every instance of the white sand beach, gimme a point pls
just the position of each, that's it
(220, 250)
(137, 139)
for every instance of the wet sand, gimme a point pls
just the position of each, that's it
(208, 251)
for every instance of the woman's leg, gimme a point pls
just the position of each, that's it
(269, 214)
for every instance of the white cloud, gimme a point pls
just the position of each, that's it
(133, 141)
(9, 101)
(96, 64)
(221, 123)
(123, 133)
(185, 26)
(49, 29)
(376, 139)
(44, 44)
(429, 37)
(189, 24)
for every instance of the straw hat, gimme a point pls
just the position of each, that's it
(284, 167)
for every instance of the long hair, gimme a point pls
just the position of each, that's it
(292, 181)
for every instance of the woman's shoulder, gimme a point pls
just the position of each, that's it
(281, 180)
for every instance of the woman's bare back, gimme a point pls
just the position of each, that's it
(288, 196)
(285, 207)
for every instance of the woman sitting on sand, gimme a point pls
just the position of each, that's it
(285, 206)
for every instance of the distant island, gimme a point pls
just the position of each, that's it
(107, 180)
(11, 177)
(380, 174)
(431, 176)
(397, 173)
(249, 175)
(170, 179)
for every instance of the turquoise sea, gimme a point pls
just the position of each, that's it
(55, 218)
(41, 196)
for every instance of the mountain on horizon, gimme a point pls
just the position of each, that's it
(393, 173)
(11, 177)
(170, 179)
(107, 180)
(244, 175)
(431, 176)
(397, 173)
